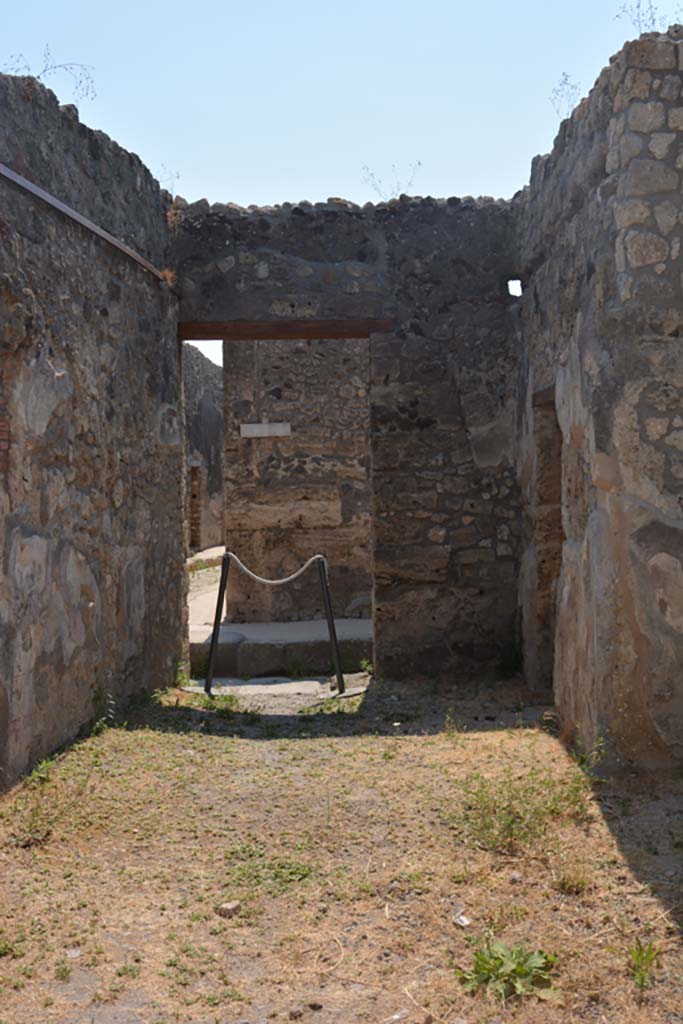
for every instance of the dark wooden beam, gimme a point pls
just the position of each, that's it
(279, 330)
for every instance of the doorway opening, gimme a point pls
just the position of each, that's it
(548, 532)
(296, 475)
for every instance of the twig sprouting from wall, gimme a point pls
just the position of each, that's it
(82, 77)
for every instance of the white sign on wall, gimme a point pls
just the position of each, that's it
(265, 429)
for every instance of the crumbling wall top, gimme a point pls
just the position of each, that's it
(84, 168)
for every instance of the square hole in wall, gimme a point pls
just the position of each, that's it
(515, 287)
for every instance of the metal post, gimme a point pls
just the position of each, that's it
(327, 600)
(225, 568)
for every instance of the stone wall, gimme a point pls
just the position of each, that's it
(487, 464)
(445, 504)
(307, 492)
(203, 394)
(601, 232)
(91, 466)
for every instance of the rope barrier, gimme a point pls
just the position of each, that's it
(229, 557)
(275, 583)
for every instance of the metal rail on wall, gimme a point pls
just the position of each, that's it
(57, 204)
(327, 601)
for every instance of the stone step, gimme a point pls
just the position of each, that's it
(289, 648)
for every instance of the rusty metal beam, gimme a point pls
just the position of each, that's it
(57, 204)
(279, 330)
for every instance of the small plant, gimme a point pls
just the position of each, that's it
(565, 95)
(182, 677)
(333, 706)
(42, 802)
(253, 871)
(62, 971)
(82, 79)
(451, 727)
(128, 970)
(588, 758)
(642, 959)
(8, 948)
(397, 186)
(574, 877)
(224, 705)
(104, 716)
(506, 814)
(510, 971)
(367, 666)
(644, 15)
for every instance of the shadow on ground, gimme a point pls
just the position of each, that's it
(385, 709)
(644, 813)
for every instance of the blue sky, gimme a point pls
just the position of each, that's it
(262, 102)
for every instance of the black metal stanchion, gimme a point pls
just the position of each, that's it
(327, 599)
(225, 568)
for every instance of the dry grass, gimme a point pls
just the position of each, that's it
(355, 843)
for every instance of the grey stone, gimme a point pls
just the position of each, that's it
(645, 177)
(660, 144)
(230, 909)
(643, 248)
(645, 117)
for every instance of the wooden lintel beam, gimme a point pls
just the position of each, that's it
(279, 330)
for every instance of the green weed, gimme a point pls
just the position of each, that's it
(251, 869)
(333, 706)
(642, 959)
(505, 814)
(510, 971)
(62, 971)
(9, 948)
(588, 758)
(223, 705)
(43, 802)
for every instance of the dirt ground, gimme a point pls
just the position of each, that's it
(368, 847)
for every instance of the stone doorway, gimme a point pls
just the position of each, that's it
(544, 555)
(296, 483)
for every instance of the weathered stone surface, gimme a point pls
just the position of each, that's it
(437, 434)
(675, 119)
(631, 211)
(91, 525)
(655, 54)
(601, 314)
(660, 144)
(667, 215)
(645, 177)
(203, 400)
(289, 497)
(643, 248)
(645, 117)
